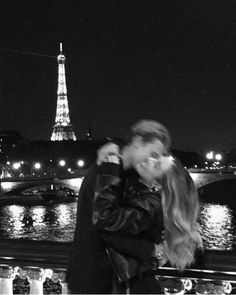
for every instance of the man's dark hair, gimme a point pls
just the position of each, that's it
(150, 130)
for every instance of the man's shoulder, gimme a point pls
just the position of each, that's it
(131, 177)
(92, 171)
(93, 168)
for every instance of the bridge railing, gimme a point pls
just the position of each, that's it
(80, 173)
(39, 267)
(33, 267)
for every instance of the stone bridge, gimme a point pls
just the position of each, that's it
(203, 178)
(16, 186)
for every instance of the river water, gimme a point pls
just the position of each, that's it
(57, 223)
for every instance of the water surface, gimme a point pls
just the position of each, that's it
(57, 223)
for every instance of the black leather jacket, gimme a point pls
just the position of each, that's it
(138, 211)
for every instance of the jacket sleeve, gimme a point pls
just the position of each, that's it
(110, 214)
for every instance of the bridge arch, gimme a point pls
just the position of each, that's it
(202, 179)
(15, 187)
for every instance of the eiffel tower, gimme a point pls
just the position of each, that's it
(62, 129)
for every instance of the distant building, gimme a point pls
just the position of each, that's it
(89, 133)
(9, 140)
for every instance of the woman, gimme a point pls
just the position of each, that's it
(163, 205)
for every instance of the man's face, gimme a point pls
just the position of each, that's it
(140, 151)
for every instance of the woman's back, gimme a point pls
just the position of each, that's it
(180, 211)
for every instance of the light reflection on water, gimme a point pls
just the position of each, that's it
(57, 223)
(218, 226)
(52, 222)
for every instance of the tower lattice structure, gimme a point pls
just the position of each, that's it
(62, 129)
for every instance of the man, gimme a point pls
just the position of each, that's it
(90, 270)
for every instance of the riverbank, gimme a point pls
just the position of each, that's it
(32, 200)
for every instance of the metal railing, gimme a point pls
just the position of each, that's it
(39, 267)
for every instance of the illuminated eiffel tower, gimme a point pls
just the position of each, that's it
(63, 129)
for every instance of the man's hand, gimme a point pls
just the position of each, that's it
(159, 254)
(108, 153)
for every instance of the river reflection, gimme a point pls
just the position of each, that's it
(52, 222)
(57, 223)
(218, 226)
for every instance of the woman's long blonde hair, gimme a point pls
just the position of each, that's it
(180, 210)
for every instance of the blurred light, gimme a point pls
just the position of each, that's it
(37, 166)
(37, 214)
(48, 272)
(62, 163)
(187, 284)
(17, 210)
(63, 215)
(8, 163)
(195, 176)
(76, 182)
(6, 185)
(218, 157)
(80, 163)
(16, 165)
(210, 155)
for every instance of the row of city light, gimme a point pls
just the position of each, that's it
(38, 165)
(214, 156)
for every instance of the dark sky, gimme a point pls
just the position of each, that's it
(171, 61)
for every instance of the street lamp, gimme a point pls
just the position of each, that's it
(218, 157)
(210, 155)
(214, 158)
(37, 166)
(80, 163)
(62, 163)
(16, 165)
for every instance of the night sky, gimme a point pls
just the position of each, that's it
(171, 61)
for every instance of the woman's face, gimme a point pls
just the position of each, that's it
(141, 151)
(149, 170)
(153, 169)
